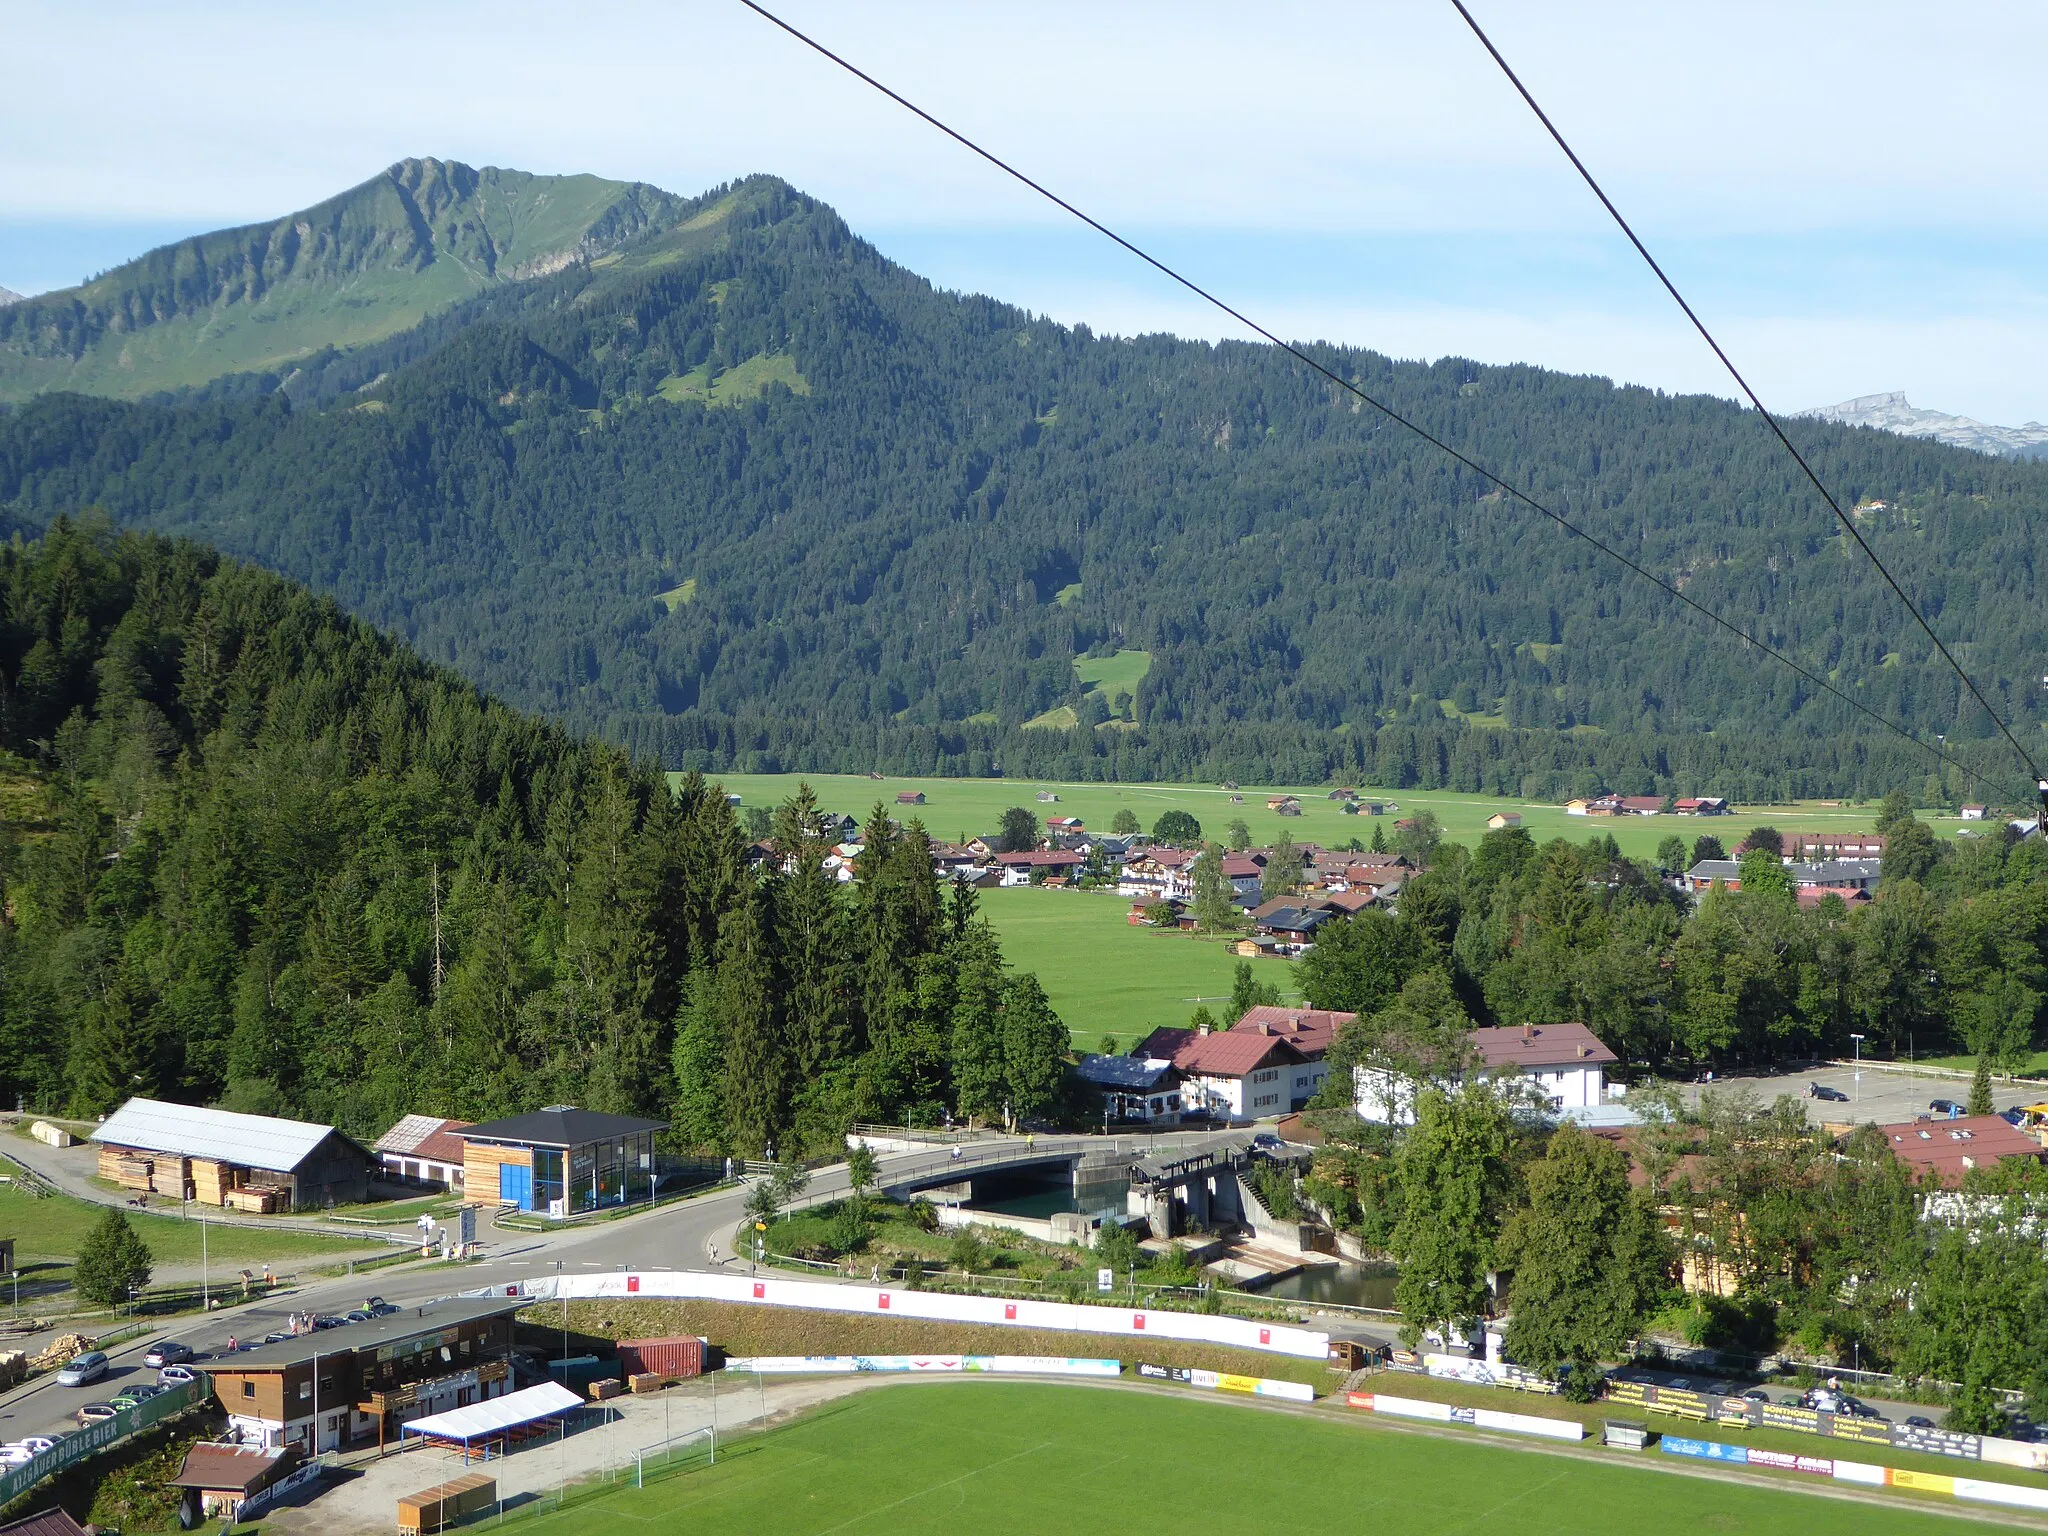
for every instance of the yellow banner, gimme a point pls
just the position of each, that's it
(1236, 1383)
(1923, 1482)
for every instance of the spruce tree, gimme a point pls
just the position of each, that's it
(743, 1004)
(113, 1262)
(1980, 1086)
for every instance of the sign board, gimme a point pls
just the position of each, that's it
(1105, 1280)
(466, 1225)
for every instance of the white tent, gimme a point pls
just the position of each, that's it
(494, 1416)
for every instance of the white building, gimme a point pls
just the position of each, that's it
(1563, 1064)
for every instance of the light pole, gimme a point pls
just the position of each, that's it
(1856, 1077)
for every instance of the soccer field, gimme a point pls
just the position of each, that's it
(947, 1458)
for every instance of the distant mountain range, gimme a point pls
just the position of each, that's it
(714, 477)
(376, 260)
(8, 296)
(1891, 413)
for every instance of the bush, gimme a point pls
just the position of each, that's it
(968, 1254)
(923, 1214)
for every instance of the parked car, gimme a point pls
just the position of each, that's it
(16, 1455)
(1265, 1139)
(357, 1316)
(276, 1336)
(174, 1375)
(1919, 1421)
(37, 1444)
(96, 1413)
(88, 1367)
(327, 1320)
(166, 1352)
(1757, 1395)
(1824, 1092)
(1947, 1107)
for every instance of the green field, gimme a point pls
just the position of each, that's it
(49, 1231)
(1106, 977)
(949, 1457)
(972, 807)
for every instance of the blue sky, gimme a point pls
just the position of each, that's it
(1852, 194)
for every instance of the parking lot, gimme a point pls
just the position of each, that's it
(1884, 1095)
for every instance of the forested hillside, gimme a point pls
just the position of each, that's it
(253, 852)
(744, 493)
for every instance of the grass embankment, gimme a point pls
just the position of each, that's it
(1024, 1458)
(47, 1234)
(739, 1329)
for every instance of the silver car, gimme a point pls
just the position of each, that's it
(83, 1369)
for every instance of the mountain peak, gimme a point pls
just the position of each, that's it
(8, 296)
(420, 236)
(1891, 412)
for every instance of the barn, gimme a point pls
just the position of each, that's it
(218, 1157)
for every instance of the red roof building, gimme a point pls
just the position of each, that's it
(1943, 1151)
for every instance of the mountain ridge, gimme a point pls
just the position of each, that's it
(1892, 412)
(742, 491)
(366, 263)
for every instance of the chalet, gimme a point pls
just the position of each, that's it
(1239, 1073)
(1580, 807)
(1838, 875)
(1703, 805)
(355, 1386)
(1243, 871)
(1801, 847)
(1293, 928)
(1974, 812)
(1047, 797)
(1944, 1151)
(1020, 868)
(1564, 1063)
(423, 1150)
(910, 797)
(559, 1160)
(1284, 805)
(253, 1163)
(1159, 874)
(1349, 903)
(1063, 824)
(1258, 946)
(1142, 911)
(1501, 820)
(1343, 794)
(1640, 805)
(1372, 808)
(1310, 1031)
(1133, 1089)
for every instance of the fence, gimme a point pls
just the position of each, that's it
(1072, 1317)
(94, 1438)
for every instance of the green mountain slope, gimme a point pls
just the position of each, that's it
(359, 267)
(742, 492)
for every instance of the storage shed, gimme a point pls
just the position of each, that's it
(248, 1162)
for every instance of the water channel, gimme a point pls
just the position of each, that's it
(1351, 1285)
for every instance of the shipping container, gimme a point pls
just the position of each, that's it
(673, 1359)
(445, 1504)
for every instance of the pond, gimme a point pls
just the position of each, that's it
(1351, 1285)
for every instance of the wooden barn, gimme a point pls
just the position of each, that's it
(245, 1162)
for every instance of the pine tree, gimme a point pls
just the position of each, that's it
(1034, 1047)
(113, 1262)
(1216, 909)
(697, 1111)
(975, 1047)
(1980, 1087)
(743, 1007)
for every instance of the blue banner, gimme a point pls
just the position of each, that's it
(1705, 1450)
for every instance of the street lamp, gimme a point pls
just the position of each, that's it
(1856, 1078)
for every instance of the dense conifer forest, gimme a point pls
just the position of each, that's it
(255, 853)
(746, 494)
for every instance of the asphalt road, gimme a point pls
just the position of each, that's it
(696, 1234)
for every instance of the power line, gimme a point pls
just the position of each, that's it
(1381, 406)
(1834, 506)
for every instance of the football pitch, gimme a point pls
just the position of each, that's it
(1069, 1461)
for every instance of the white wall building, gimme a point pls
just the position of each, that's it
(1564, 1065)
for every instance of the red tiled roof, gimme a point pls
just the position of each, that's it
(1540, 1045)
(1352, 902)
(1308, 1030)
(1947, 1149)
(1231, 1053)
(1162, 1043)
(1238, 866)
(1169, 858)
(1809, 896)
(425, 1136)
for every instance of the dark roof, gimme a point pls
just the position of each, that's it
(1126, 1072)
(234, 1468)
(1295, 920)
(1232, 1053)
(560, 1125)
(51, 1522)
(407, 1323)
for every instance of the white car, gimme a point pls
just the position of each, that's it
(174, 1375)
(37, 1443)
(16, 1455)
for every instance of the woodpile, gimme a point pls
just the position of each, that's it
(61, 1350)
(126, 1168)
(211, 1181)
(167, 1176)
(646, 1381)
(603, 1388)
(257, 1202)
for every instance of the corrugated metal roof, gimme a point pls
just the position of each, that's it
(416, 1134)
(250, 1141)
(496, 1415)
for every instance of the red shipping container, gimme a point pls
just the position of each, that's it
(674, 1359)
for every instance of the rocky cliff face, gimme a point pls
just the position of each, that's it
(1891, 413)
